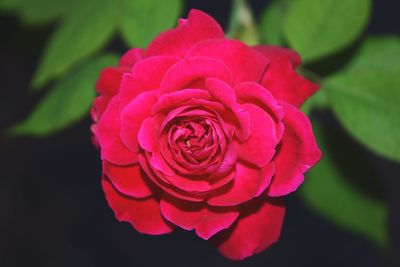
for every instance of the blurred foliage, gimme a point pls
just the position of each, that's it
(334, 187)
(271, 24)
(318, 28)
(68, 101)
(363, 91)
(360, 83)
(84, 29)
(365, 96)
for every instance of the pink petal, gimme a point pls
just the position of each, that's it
(245, 63)
(143, 214)
(251, 92)
(298, 153)
(248, 184)
(108, 136)
(176, 99)
(146, 75)
(197, 27)
(190, 70)
(223, 93)
(148, 135)
(131, 57)
(165, 185)
(281, 78)
(260, 147)
(129, 180)
(133, 115)
(109, 81)
(257, 228)
(193, 215)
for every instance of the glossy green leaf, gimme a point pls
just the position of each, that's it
(367, 104)
(377, 52)
(142, 20)
(331, 189)
(69, 101)
(271, 30)
(84, 31)
(317, 28)
(366, 96)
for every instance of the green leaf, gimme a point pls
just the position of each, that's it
(367, 104)
(8, 5)
(329, 189)
(317, 101)
(317, 28)
(142, 20)
(43, 11)
(85, 30)
(38, 11)
(366, 96)
(65, 104)
(377, 52)
(271, 29)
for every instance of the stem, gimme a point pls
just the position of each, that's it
(242, 25)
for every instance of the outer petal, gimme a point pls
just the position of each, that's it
(190, 70)
(190, 215)
(245, 63)
(257, 228)
(129, 180)
(131, 57)
(298, 153)
(109, 81)
(143, 214)
(281, 78)
(108, 136)
(197, 27)
(248, 184)
(146, 75)
(133, 115)
(260, 147)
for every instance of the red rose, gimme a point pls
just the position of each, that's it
(202, 132)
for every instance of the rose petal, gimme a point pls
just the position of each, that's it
(109, 81)
(245, 63)
(248, 183)
(146, 75)
(193, 69)
(260, 147)
(108, 136)
(197, 27)
(225, 94)
(176, 99)
(131, 57)
(143, 214)
(258, 227)
(298, 153)
(190, 215)
(133, 115)
(250, 92)
(129, 180)
(165, 185)
(148, 135)
(281, 78)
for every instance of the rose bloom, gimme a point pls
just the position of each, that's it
(204, 133)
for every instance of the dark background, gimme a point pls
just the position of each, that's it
(52, 209)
